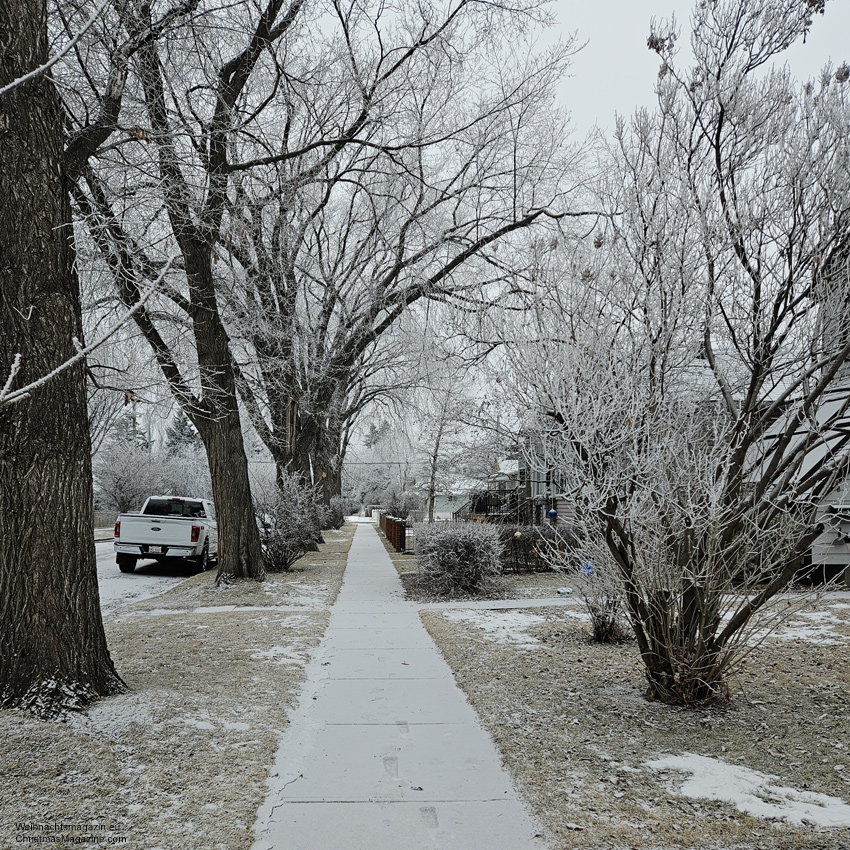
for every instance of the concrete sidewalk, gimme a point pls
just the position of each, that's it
(384, 752)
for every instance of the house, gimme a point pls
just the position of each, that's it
(543, 490)
(519, 493)
(830, 426)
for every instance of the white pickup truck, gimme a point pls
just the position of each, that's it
(167, 527)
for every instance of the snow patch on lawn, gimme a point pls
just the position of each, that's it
(295, 652)
(298, 594)
(812, 626)
(577, 614)
(314, 602)
(279, 654)
(508, 627)
(197, 724)
(753, 792)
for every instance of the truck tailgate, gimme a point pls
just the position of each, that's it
(156, 530)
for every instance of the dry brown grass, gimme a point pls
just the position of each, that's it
(181, 760)
(574, 728)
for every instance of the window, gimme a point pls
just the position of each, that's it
(174, 507)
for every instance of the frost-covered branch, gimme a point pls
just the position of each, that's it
(9, 396)
(44, 68)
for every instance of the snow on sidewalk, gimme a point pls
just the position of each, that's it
(383, 751)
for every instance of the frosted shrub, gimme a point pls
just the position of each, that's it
(602, 594)
(458, 555)
(289, 523)
(336, 512)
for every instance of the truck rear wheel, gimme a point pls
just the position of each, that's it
(126, 563)
(203, 560)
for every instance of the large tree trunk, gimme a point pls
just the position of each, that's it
(302, 445)
(317, 457)
(240, 553)
(54, 655)
(216, 413)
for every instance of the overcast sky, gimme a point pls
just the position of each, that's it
(615, 72)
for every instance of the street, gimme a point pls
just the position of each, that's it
(150, 578)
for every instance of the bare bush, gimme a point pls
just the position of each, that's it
(458, 556)
(289, 523)
(687, 381)
(600, 587)
(602, 594)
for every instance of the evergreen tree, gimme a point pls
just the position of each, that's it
(181, 436)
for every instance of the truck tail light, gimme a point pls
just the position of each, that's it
(196, 533)
(118, 528)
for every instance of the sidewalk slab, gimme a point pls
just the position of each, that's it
(373, 620)
(383, 751)
(400, 762)
(389, 700)
(399, 826)
(384, 664)
(398, 638)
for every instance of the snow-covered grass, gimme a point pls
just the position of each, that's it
(822, 627)
(295, 652)
(753, 792)
(198, 728)
(508, 627)
(181, 760)
(576, 730)
(112, 717)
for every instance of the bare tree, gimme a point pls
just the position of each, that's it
(450, 416)
(54, 653)
(333, 250)
(270, 97)
(439, 425)
(687, 392)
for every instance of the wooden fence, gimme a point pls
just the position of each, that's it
(395, 531)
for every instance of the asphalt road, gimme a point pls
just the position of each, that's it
(149, 579)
